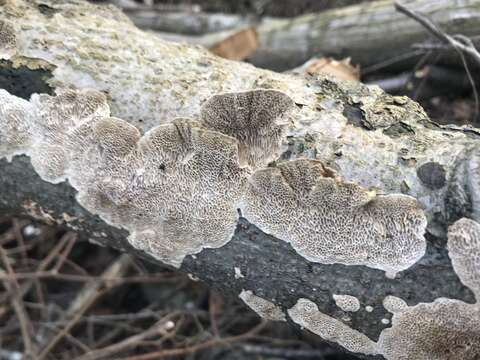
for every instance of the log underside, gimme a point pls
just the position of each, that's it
(272, 269)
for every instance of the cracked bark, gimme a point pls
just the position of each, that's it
(379, 141)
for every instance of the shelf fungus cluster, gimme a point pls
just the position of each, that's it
(445, 329)
(177, 188)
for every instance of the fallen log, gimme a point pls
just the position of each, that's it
(191, 23)
(326, 186)
(356, 31)
(370, 33)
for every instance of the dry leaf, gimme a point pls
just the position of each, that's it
(237, 46)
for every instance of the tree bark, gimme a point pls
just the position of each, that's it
(370, 138)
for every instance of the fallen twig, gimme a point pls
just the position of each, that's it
(462, 44)
(85, 298)
(161, 327)
(25, 325)
(197, 347)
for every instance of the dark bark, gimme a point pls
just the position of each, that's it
(272, 268)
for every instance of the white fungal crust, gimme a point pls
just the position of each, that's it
(394, 304)
(464, 251)
(257, 119)
(335, 221)
(8, 41)
(174, 189)
(443, 330)
(177, 188)
(264, 308)
(56, 123)
(16, 125)
(347, 303)
(306, 314)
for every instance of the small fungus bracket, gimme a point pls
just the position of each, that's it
(335, 221)
(258, 119)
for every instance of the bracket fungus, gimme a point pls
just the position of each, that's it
(335, 221)
(445, 329)
(174, 189)
(257, 119)
(177, 188)
(16, 128)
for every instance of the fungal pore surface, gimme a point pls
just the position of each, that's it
(177, 188)
(8, 40)
(174, 188)
(347, 303)
(258, 119)
(329, 220)
(264, 308)
(445, 329)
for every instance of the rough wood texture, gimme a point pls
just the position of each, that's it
(373, 139)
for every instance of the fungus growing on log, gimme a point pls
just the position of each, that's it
(264, 308)
(16, 125)
(444, 329)
(347, 303)
(335, 221)
(8, 41)
(257, 119)
(177, 189)
(464, 250)
(306, 314)
(394, 304)
(174, 189)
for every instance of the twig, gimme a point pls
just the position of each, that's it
(269, 351)
(69, 337)
(85, 298)
(161, 327)
(85, 278)
(25, 325)
(457, 41)
(213, 304)
(72, 238)
(204, 345)
(460, 43)
(40, 269)
(21, 241)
